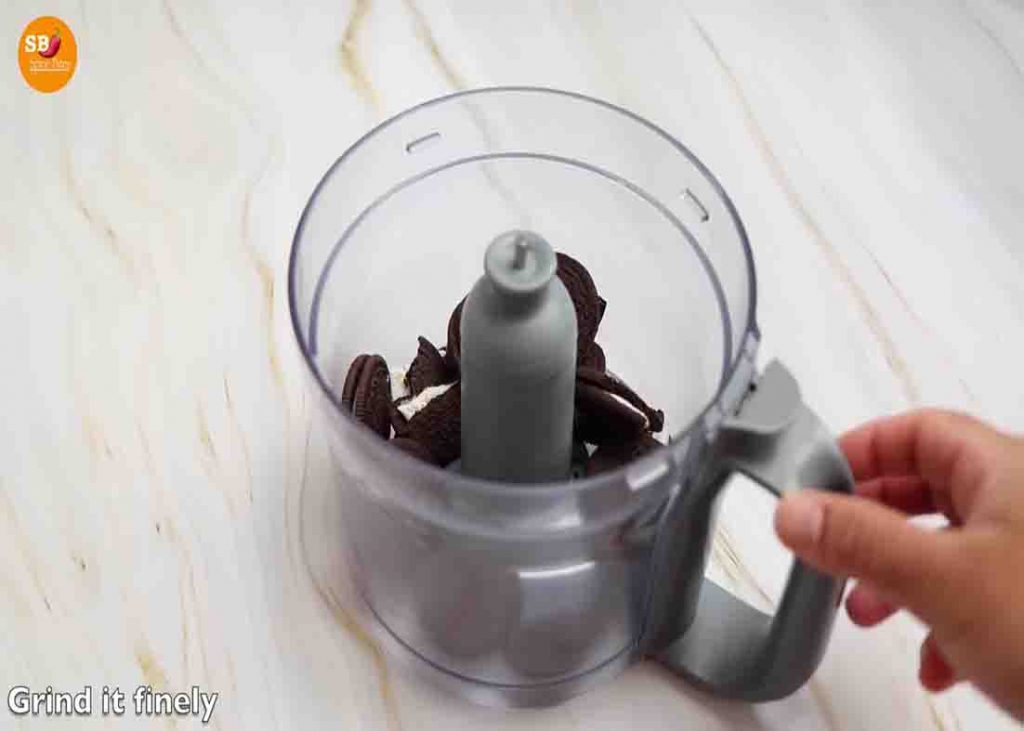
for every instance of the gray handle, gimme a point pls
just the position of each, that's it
(730, 648)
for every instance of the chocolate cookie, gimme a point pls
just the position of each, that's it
(367, 393)
(583, 292)
(438, 426)
(592, 356)
(603, 419)
(609, 383)
(454, 347)
(428, 368)
(413, 448)
(398, 421)
(613, 456)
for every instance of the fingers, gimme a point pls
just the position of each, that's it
(934, 671)
(901, 445)
(882, 447)
(848, 536)
(867, 607)
(950, 452)
(910, 495)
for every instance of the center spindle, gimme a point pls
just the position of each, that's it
(518, 363)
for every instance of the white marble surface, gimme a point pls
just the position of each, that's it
(157, 432)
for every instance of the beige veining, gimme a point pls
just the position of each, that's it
(153, 388)
(102, 227)
(293, 525)
(994, 38)
(918, 319)
(179, 31)
(152, 674)
(933, 714)
(890, 352)
(728, 559)
(351, 63)
(426, 36)
(203, 429)
(187, 582)
(240, 435)
(342, 618)
(263, 271)
(348, 624)
(228, 87)
(827, 712)
(22, 547)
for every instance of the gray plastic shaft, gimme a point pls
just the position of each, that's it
(518, 365)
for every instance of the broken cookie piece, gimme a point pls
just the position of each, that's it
(414, 449)
(433, 419)
(422, 405)
(613, 456)
(608, 412)
(602, 418)
(454, 345)
(366, 393)
(613, 385)
(428, 368)
(592, 356)
(583, 293)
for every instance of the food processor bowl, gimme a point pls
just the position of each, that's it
(521, 594)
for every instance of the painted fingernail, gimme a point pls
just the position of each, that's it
(799, 519)
(934, 672)
(866, 607)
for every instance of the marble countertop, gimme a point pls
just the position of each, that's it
(158, 426)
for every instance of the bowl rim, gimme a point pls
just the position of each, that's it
(487, 488)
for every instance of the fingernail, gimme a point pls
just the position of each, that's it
(934, 671)
(799, 519)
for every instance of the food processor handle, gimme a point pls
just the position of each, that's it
(730, 648)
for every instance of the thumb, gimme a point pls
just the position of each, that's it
(848, 536)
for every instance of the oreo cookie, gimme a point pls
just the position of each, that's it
(613, 456)
(428, 368)
(614, 386)
(454, 345)
(398, 421)
(603, 419)
(414, 449)
(366, 393)
(438, 426)
(583, 292)
(591, 355)
(426, 420)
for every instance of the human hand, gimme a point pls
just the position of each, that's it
(966, 582)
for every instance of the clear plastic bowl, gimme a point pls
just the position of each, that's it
(526, 590)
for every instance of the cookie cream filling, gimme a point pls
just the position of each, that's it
(419, 402)
(399, 384)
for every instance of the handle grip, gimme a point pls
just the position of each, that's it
(730, 648)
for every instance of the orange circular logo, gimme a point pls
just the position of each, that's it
(47, 54)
